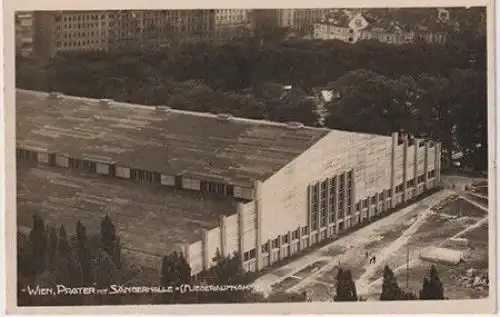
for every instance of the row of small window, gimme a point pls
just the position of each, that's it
(251, 254)
(386, 194)
(135, 174)
(66, 44)
(145, 176)
(82, 17)
(81, 34)
(25, 155)
(69, 26)
(82, 164)
(216, 188)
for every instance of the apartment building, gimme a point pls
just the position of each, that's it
(24, 33)
(231, 24)
(300, 20)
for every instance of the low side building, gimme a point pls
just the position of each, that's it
(291, 186)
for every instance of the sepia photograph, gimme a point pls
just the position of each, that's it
(230, 156)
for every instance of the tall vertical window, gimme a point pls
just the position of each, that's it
(314, 207)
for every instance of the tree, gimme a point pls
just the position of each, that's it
(391, 289)
(345, 287)
(432, 288)
(52, 247)
(110, 242)
(66, 269)
(369, 102)
(84, 257)
(175, 270)
(38, 241)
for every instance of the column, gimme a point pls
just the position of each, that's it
(353, 195)
(415, 166)
(185, 252)
(318, 214)
(223, 236)
(437, 163)
(300, 239)
(393, 168)
(346, 216)
(377, 201)
(289, 245)
(310, 189)
(405, 167)
(426, 164)
(280, 245)
(258, 224)
(241, 231)
(204, 249)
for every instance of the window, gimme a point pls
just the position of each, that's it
(295, 234)
(249, 255)
(275, 243)
(265, 248)
(432, 174)
(399, 188)
(212, 187)
(420, 179)
(381, 196)
(230, 190)
(220, 189)
(286, 239)
(305, 231)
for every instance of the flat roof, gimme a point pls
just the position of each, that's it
(153, 220)
(175, 142)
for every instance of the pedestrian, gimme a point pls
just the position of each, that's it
(366, 255)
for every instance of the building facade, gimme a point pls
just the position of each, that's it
(304, 186)
(73, 31)
(24, 33)
(333, 187)
(231, 24)
(300, 20)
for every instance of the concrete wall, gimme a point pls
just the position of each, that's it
(284, 195)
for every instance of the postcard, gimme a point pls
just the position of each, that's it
(250, 159)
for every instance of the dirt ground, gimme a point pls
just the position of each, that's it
(392, 245)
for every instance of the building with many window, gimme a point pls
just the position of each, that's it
(203, 183)
(24, 33)
(232, 24)
(73, 31)
(300, 20)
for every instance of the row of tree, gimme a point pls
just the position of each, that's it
(432, 288)
(238, 65)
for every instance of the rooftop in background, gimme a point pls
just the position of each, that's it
(151, 220)
(174, 142)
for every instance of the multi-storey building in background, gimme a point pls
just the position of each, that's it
(389, 27)
(64, 31)
(231, 24)
(300, 20)
(260, 189)
(24, 33)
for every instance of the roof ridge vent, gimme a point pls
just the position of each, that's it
(105, 102)
(55, 95)
(225, 116)
(163, 108)
(294, 125)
